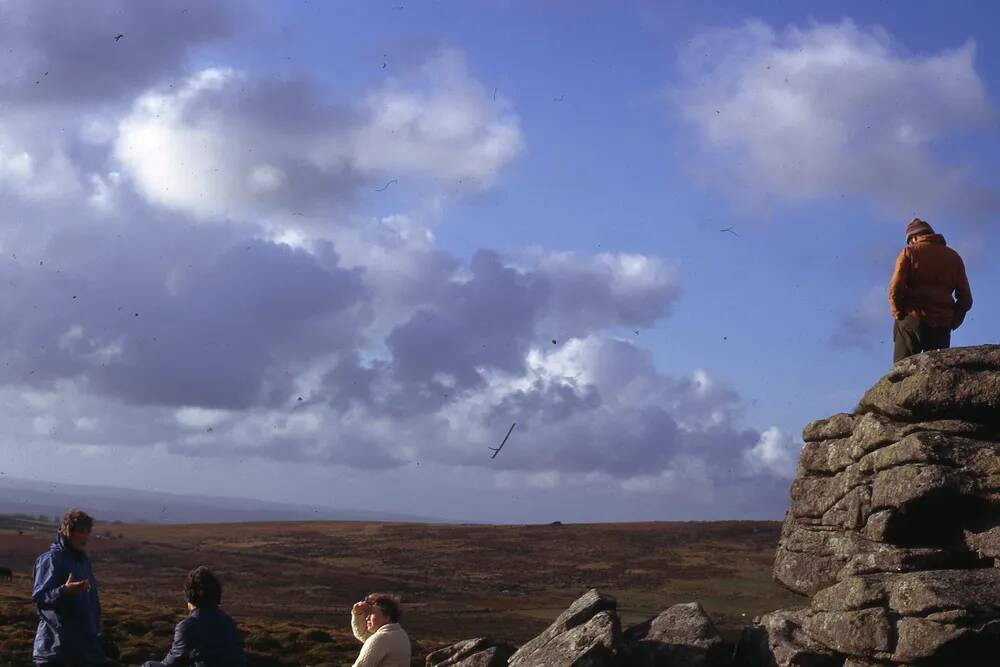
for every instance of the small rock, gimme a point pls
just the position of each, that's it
(681, 636)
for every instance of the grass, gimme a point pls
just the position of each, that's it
(290, 585)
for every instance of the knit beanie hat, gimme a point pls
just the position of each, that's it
(918, 226)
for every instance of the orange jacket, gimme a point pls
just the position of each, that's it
(927, 273)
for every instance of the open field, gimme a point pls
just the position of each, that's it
(290, 585)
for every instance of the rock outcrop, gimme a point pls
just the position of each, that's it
(682, 636)
(588, 634)
(894, 526)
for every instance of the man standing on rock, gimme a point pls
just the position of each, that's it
(928, 273)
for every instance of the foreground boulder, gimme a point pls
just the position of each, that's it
(894, 526)
(681, 636)
(947, 618)
(588, 634)
(479, 652)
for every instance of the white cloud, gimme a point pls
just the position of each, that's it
(44, 425)
(87, 423)
(774, 453)
(68, 340)
(266, 178)
(199, 418)
(832, 110)
(228, 144)
(188, 161)
(104, 191)
(37, 176)
(446, 128)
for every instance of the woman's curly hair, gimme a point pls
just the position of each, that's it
(76, 519)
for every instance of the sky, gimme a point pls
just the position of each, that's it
(329, 252)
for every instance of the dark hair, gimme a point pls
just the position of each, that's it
(76, 519)
(202, 588)
(389, 604)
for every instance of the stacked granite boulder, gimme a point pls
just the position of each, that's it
(894, 526)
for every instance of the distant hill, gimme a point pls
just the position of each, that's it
(49, 499)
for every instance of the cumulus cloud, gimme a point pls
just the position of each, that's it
(833, 110)
(227, 144)
(445, 127)
(606, 289)
(305, 331)
(774, 453)
(165, 315)
(59, 54)
(488, 318)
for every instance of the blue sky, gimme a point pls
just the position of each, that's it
(391, 211)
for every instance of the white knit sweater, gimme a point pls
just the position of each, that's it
(389, 646)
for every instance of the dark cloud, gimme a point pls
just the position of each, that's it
(57, 53)
(167, 315)
(589, 293)
(485, 322)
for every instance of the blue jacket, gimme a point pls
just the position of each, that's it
(206, 638)
(68, 625)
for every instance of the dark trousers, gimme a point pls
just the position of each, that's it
(913, 336)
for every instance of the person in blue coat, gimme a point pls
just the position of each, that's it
(65, 594)
(208, 636)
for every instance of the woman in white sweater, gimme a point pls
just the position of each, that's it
(375, 621)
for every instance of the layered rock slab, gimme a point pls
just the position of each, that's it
(478, 652)
(587, 634)
(946, 618)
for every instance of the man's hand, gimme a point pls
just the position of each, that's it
(360, 608)
(73, 587)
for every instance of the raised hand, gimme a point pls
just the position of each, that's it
(73, 587)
